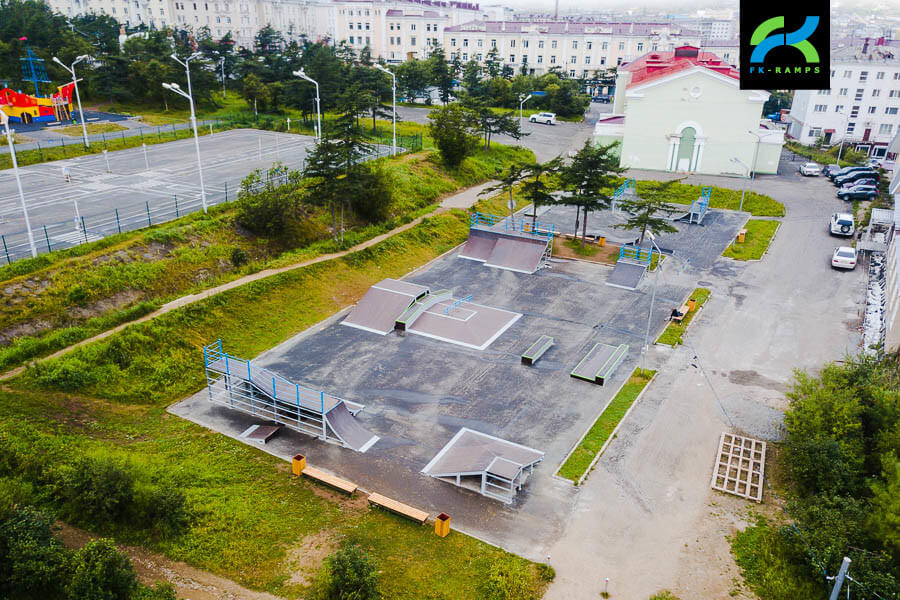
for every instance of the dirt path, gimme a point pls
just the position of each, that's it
(190, 583)
(461, 199)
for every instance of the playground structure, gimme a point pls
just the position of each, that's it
(240, 385)
(501, 467)
(633, 262)
(392, 305)
(511, 243)
(24, 108)
(698, 209)
(625, 191)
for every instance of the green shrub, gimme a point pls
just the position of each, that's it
(546, 572)
(32, 561)
(351, 575)
(509, 579)
(239, 257)
(77, 295)
(101, 572)
(97, 491)
(162, 508)
(67, 374)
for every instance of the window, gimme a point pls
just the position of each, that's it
(367, 40)
(412, 27)
(851, 127)
(540, 58)
(590, 45)
(524, 43)
(879, 75)
(815, 132)
(587, 60)
(843, 92)
(894, 94)
(618, 61)
(832, 73)
(859, 94)
(480, 43)
(886, 129)
(512, 43)
(493, 43)
(553, 59)
(572, 73)
(540, 43)
(854, 112)
(479, 57)
(838, 108)
(871, 110)
(392, 41)
(465, 43)
(574, 44)
(863, 75)
(848, 74)
(820, 107)
(640, 46)
(412, 41)
(351, 40)
(553, 44)
(367, 27)
(896, 75)
(392, 26)
(453, 42)
(604, 46)
(891, 110)
(621, 45)
(512, 58)
(428, 27)
(876, 93)
(465, 56)
(655, 47)
(573, 60)
(602, 60)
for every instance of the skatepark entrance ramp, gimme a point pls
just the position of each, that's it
(600, 363)
(240, 385)
(491, 466)
(383, 304)
(630, 267)
(514, 244)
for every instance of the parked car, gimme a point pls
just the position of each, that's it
(858, 193)
(875, 163)
(860, 183)
(844, 257)
(810, 169)
(841, 224)
(830, 170)
(547, 118)
(602, 98)
(855, 176)
(847, 171)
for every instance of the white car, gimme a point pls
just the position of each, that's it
(544, 117)
(810, 169)
(842, 224)
(844, 257)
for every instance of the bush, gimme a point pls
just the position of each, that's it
(373, 200)
(101, 572)
(33, 561)
(546, 572)
(351, 576)
(509, 579)
(67, 374)
(97, 491)
(77, 295)
(450, 127)
(239, 257)
(162, 508)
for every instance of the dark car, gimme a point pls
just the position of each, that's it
(867, 181)
(847, 171)
(855, 176)
(602, 98)
(830, 170)
(858, 193)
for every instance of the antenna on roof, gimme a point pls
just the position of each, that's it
(556, 10)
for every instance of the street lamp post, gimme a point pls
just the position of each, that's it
(174, 87)
(71, 70)
(15, 165)
(302, 75)
(186, 63)
(652, 299)
(522, 100)
(738, 161)
(394, 100)
(843, 135)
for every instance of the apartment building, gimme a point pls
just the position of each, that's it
(153, 13)
(862, 107)
(578, 49)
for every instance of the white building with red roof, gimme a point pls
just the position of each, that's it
(683, 110)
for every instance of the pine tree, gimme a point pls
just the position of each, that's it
(645, 212)
(590, 176)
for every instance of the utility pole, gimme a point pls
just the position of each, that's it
(839, 580)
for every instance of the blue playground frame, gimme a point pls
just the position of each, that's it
(520, 225)
(628, 184)
(700, 205)
(636, 254)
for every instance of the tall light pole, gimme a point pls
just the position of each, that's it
(302, 75)
(174, 87)
(652, 299)
(71, 70)
(186, 63)
(738, 161)
(394, 97)
(522, 100)
(12, 154)
(759, 136)
(394, 104)
(843, 135)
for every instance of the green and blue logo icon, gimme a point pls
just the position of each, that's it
(799, 39)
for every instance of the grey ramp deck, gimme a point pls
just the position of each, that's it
(406, 320)
(348, 430)
(470, 325)
(378, 310)
(517, 253)
(537, 350)
(479, 245)
(471, 452)
(600, 363)
(626, 275)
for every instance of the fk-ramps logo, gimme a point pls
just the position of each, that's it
(785, 49)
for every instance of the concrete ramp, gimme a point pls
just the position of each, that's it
(479, 245)
(385, 301)
(626, 275)
(348, 430)
(517, 253)
(600, 363)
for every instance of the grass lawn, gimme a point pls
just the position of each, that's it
(581, 249)
(92, 128)
(759, 235)
(251, 521)
(681, 193)
(671, 336)
(580, 460)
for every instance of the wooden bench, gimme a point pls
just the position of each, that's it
(536, 350)
(398, 508)
(684, 310)
(330, 480)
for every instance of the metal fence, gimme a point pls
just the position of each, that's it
(60, 235)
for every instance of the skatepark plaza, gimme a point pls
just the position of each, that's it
(462, 387)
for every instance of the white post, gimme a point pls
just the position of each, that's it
(71, 70)
(394, 100)
(288, 123)
(224, 96)
(146, 160)
(652, 300)
(197, 148)
(106, 156)
(15, 165)
(839, 580)
(318, 114)
(522, 100)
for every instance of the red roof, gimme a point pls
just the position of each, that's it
(654, 65)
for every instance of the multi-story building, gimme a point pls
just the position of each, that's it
(862, 107)
(728, 50)
(153, 13)
(576, 48)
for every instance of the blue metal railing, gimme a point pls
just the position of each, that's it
(457, 303)
(634, 253)
(513, 224)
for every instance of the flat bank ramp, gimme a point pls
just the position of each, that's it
(385, 301)
(599, 364)
(517, 253)
(626, 275)
(348, 430)
(479, 245)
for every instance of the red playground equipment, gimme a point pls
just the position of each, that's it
(24, 108)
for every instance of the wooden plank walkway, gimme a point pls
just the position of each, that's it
(398, 507)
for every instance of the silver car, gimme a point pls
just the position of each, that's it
(844, 257)
(810, 169)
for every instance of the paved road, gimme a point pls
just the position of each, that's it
(646, 517)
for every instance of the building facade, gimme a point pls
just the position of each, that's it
(862, 107)
(576, 48)
(684, 111)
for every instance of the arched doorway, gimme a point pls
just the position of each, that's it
(686, 149)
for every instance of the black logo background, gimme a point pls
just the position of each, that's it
(752, 14)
